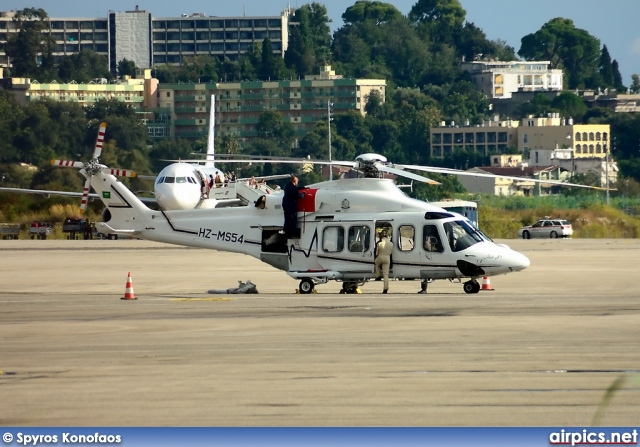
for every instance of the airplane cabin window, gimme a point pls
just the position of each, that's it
(333, 239)
(406, 237)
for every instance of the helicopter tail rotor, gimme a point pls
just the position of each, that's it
(93, 166)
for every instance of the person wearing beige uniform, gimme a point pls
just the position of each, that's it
(384, 248)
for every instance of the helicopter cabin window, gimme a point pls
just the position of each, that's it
(333, 239)
(406, 237)
(461, 235)
(359, 238)
(432, 242)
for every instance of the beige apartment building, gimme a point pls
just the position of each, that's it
(527, 136)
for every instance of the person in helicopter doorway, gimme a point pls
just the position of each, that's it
(384, 248)
(290, 207)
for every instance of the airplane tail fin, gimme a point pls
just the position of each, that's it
(211, 139)
(125, 213)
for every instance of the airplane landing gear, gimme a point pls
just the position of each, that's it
(306, 286)
(471, 286)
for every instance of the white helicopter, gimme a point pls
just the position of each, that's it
(337, 221)
(336, 224)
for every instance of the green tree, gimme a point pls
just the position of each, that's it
(31, 48)
(441, 20)
(278, 133)
(11, 117)
(569, 105)
(164, 150)
(126, 67)
(606, 70)
(635, 83)
(377, 11)
(540, 105)
(82, 67)
(617, 77)
(569, 48)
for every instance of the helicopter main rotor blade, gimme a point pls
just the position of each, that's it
(407, 174)
(449, 171)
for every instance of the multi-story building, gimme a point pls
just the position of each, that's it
(240, 104)
(498, 80)
(527, 136)
(140, 93)
(488, 137)
(147, 41)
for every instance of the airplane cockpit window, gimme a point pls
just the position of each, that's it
(160, 180)
(181, 180)
(169, 179)
(192, 180)
(358, 240)
(431, 237)
(333, 239)
(406, 237)
(461, 235)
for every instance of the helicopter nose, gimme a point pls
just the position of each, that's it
(518, 262)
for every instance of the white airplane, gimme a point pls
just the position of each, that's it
(179, 186)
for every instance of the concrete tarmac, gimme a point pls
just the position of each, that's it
(540, 350)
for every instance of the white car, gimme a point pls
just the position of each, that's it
(549, 228)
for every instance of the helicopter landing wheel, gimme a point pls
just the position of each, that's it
(471, 286)
(349, 288)
(306, 286)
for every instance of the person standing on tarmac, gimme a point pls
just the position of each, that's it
(384, 248)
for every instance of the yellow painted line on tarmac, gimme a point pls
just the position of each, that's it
(202, 299)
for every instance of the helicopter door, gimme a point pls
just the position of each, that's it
(384, 225)
(435, 257)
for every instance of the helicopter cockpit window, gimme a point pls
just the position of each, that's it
(461, 235)
(359, 236)
(333, 239)
(406, 237)
(431, 237)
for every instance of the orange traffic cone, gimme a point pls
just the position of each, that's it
(128, 293)
(486, 284)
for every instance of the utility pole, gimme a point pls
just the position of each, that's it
(329, 119)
